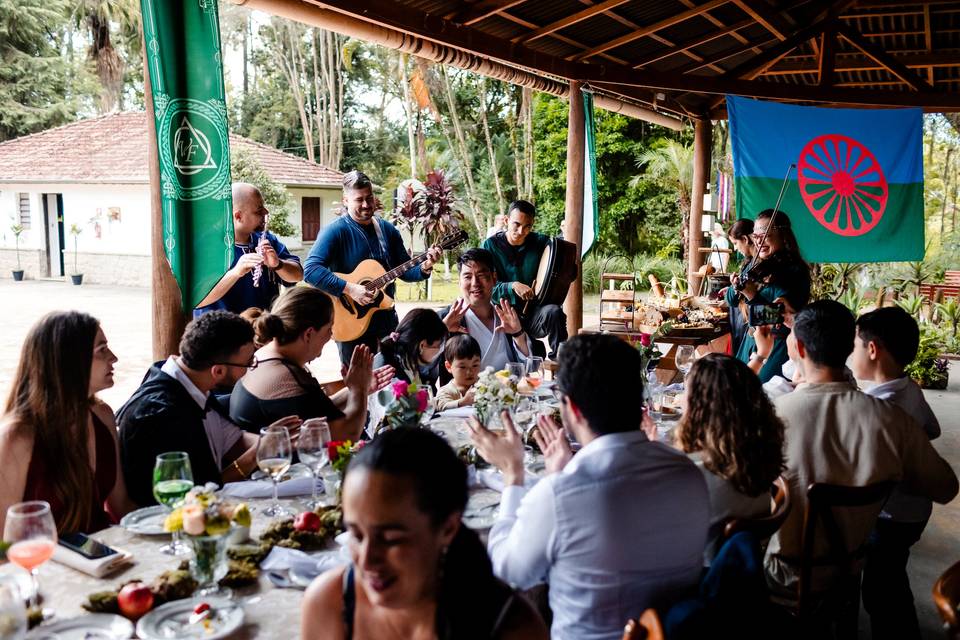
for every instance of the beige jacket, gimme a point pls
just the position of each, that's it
(448, 396)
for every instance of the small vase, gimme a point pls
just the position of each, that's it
(18, 275)
(209, 563)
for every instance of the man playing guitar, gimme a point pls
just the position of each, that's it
(516, 254)
(360, 235)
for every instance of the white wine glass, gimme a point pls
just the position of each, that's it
(274, 455)
(516, 370)
(172, 480)
(312, 449)
(32, 534)
(684, 358)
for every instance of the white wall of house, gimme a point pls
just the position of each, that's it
(329, 202)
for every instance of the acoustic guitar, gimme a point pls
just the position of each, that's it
(350, 318)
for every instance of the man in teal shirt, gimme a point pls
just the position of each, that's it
(516, 253)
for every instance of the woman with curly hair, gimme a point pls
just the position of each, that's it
(730, 429)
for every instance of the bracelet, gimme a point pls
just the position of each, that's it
(517, 334)
(239, 470)
(757, 356)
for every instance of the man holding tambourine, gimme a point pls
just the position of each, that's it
(517, 252)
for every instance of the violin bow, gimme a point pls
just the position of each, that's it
(776, 210)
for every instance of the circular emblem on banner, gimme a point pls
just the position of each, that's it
(842, 184)
(194, 149)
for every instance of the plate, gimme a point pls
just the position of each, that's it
(95, 626)
(147, 521)
(172, 620)
(298, 470)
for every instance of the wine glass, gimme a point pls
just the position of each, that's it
(525, 413)
(274, 455)
(534, 371)
(684, 358)
(13, 613)
(312, 447)
(32, 535)
(172, 480)
(516, 370)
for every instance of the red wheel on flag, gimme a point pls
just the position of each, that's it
(842, 184)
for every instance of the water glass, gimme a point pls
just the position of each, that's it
(516, 370)
(32, 534)
(274, 455)
(684, 358)
(312, 448)
(525, 413)
(13, 612)
(172, 480)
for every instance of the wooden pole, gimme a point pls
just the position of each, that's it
(168, 317)
(701, 173)
(573, 218)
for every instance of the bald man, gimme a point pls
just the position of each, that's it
(254, 247)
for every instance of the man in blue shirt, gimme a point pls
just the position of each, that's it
(352, 238)
(261, 263)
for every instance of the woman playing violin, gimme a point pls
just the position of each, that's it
(778, 273)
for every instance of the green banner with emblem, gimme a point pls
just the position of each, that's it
(182, 40)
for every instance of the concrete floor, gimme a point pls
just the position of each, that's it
(125, 316)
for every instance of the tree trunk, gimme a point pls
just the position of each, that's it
(518, 157)
(947, 174)
(528, 143)
(408, 106)
(285, 55)
(494, 169)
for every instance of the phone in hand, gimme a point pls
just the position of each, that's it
(86, 546)
(766, 314)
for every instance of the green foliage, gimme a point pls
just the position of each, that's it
(949, 311)
(663, 267)
(833, 280)
(245, 168)
(928, 369)
(639, 218)
(854, 300)
(913, 305)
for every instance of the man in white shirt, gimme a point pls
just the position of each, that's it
(496, 328)
(616, 528)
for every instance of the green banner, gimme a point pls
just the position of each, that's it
(591, 217)
(183, 58)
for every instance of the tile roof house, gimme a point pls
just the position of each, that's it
(95, 174)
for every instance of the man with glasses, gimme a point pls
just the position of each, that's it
(261, 263)
(352, 238)
(174, 408)
(616, 528)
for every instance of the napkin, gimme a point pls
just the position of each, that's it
(283, 559)
(459, 412)
(493, 479)
(264, 488)
(96, 568)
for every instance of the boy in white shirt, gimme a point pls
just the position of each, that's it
(887, 341)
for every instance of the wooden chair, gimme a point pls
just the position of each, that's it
(648, 628)
(946, 597)
(763, 528)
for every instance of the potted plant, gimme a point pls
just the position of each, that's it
(929, 370)
(76, 276)
(17, 230)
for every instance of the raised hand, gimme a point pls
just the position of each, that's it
(505, 452)
(457, 310)
(360, 372)
(509, 320)
(553, 442)
(381, 377)
(292, 423)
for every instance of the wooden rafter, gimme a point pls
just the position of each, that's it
(650, 29)
(757, 65)
(720, 57)
(764, 16)
(571, 19)
(928, 38)
(558, 36)
(712, 19)
(828, 57)
(481, 10)
(848, 62)
(882, 58)
(696, 42)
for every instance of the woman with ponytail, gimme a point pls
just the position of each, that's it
(293, 333)
(416, 571)
(412, 349)
(58, 441)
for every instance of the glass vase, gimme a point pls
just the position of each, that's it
(209, 564)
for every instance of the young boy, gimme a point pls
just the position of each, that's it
(887, 341)
(462, 360)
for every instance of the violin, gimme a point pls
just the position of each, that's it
(758, 269)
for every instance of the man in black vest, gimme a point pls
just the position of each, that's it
(174, 408)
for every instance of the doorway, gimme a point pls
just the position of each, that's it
(310, 218)
(53, 244)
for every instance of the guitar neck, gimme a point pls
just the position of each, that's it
(396, 272)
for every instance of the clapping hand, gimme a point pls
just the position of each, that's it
(381, 377)
(509, 320)
(455, 316)
(553, 442)
(359, 375)
(505, 451)
(292, 423)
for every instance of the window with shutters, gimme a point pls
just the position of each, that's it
(24, 208)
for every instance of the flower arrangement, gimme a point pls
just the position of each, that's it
(646, 345)
(410, 402)
(203, 513)
(493, 392)
(340, 452)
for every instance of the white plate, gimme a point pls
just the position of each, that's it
(171, 620)
(94, 626)
(298, 470)
(147, 521)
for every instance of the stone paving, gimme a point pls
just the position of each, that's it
(125, 315)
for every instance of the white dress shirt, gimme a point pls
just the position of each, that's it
(494, 345)
(620, 529)
(221, 433)
(906, 394)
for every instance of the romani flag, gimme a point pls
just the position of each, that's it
(857, 192)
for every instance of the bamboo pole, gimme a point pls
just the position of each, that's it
(168, 317)
(702, 137)
(573, 219)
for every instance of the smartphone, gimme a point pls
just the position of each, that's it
(86, 546)
(765, 314)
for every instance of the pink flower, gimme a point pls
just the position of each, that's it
(193, 519)
(423, 398)
(645, 339)
(399, 388)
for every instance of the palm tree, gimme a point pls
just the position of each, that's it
(98, 16)
(671, 165)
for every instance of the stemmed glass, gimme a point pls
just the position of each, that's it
(516, 370)
(684, 358)
(274, 455)
(534, 371)
(312, 447)
(33, 535)
(172, 480)
(525, 418)
(13, 615)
